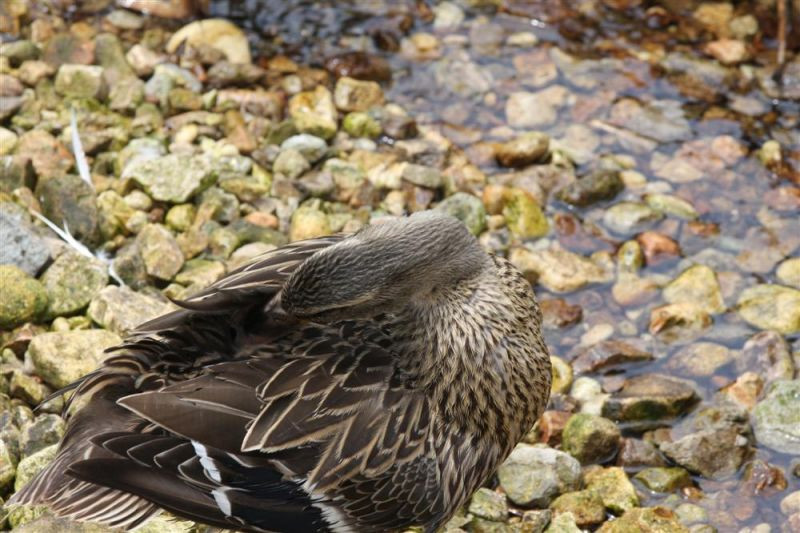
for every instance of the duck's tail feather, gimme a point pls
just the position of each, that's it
(70, 497)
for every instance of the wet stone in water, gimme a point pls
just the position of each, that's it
(650, 399)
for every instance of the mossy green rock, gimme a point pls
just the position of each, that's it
(563, 523)
(47, 522)
(309, 221)
(173, 178)
(166, 523)
(585, 505)
(22, 298)
(524, 216)
(181, 217)
(120, 309)
(181, 99)
(114, 214)
(594, 187)
(468, 209)
(776, 418)
(69, 201)
(523, 150)
(562, 375)
(200, 273)
(664, 479)
(21, 515)
(8, 465)
(81, 81)
(33, 464)
(590, 438)
(648, 399)
(613, 487)
(45, 431)
(630, 257)
(71, 282)
(360, 124)
(160, 251)
(313, 112)
(60, 358)
(645, 520)
(533, 475)
(489, 504)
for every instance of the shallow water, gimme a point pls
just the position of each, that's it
(463, 89)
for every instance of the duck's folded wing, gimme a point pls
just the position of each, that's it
(262, 442)
(326, 418)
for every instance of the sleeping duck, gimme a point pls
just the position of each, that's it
(369, 382)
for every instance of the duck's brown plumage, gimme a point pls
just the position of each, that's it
(363, 383)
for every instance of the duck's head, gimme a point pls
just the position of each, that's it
(385, 267)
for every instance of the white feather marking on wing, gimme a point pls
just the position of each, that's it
(207, 462)
(222, 500)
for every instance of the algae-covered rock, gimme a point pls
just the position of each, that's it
(776, 418)
(173, 178)
(590, 438)
(70, 202)
(664, 479)
(46, 430)
(33, 464)
(524, 216)
(788, 272)
(120, 309)
(62, 357)
(351, 94)
(309, 221)
(467, 208)
(592, 188)
(160, 251)
(360, 124)
(629, 217)
(81, 81)
(533, 475)
(645, 520)
(523, 150)
(613, 487)
(489, 504)
(586, 507)
(71, 282)
(313, 112)
(671, 205)
(22, 298)
(647, 399)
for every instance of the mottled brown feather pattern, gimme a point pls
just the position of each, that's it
(366, 383)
